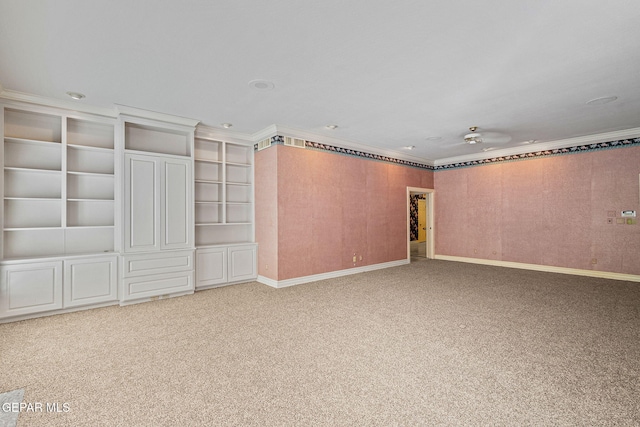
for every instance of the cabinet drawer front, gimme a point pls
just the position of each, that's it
(141, 265)
(30, 288)
(150, 286)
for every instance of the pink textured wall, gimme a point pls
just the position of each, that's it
(330, 206)
(266, 207)
(550, 211)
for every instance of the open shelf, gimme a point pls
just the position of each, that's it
(223, 192)
(90, 135)
(237, 154)
(208, 150)
(90, 160)
(27, 155)
(29, 183)
(158, 141)
(83, 213)
(30, 125)
(59, 184)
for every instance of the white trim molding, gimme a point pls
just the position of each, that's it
(330, 275)
(546, 268)
(542, 146)
(79, 106)
(126, 110)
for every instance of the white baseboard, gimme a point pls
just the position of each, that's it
(547, 268)
(57, 311)
(330, 275)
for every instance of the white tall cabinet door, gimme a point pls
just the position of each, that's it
(157, 203)
(176, 204)
(142, 203)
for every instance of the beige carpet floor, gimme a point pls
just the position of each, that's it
(430, 343)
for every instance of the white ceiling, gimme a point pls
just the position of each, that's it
(389, 73)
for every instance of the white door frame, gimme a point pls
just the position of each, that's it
(431, 243)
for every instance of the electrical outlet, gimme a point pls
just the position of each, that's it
(354, 259)
(594, 260)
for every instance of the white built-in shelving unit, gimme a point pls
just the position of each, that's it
(223, 192)
(118, 206)
(59, 212)
(59, 185)
(224, 211)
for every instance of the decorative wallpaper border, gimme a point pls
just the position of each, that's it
(349, 152)
(279, 140)
(545, 153)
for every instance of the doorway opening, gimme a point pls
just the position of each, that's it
(420, 223)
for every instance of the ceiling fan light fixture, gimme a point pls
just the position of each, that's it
(473, 137)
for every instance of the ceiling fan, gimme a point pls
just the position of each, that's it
(476, 137)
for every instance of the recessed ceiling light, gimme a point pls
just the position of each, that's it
(409, 147)
(226, 125)
(602, 100)
(488, 149)
(259, 84)
(332, 127)
(76, 95)
(531, 141)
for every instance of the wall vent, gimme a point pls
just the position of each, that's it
(265, 143)
(294, 142)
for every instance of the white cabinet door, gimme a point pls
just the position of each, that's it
(142, 203)
(90, 281)
(30, 288)
(211, 266)
(158, 194)
(175, 201)
(242, 263)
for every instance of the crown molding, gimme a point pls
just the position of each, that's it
(154, 115)
(343, 143)
(268, 132)
(209, 132)
(78, 106)
(543, 146)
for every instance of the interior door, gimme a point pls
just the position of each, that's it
(422, 220)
